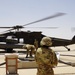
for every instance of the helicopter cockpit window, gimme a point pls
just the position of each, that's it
(21, 40)
(9, 37)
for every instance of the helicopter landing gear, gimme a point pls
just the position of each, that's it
(67, 48)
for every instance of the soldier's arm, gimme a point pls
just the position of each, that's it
(55, 60)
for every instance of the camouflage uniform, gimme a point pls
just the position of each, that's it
(29, 47)
(46, 59)
(36, 44)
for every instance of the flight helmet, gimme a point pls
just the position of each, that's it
(46, 41)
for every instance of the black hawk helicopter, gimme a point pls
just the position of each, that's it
(29, 37)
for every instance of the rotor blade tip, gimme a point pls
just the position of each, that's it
(62, 13)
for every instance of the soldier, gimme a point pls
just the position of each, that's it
(36, 44)
(29, 47)
(45, 57)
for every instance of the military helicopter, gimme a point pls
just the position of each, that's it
(29, 37)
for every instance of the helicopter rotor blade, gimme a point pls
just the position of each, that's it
(44, 27)
(43, 19)
(46, 18)
(5, 27)
(17, 27)
(28, 27)
(13, 27)
(6, 31)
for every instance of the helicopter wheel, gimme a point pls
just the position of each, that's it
(69, 49)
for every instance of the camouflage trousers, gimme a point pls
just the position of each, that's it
(44, 70)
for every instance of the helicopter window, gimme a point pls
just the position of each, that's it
(9, 37)
(21, 40)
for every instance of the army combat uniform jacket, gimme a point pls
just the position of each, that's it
(46, 59)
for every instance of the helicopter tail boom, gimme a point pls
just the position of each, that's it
(73, 39)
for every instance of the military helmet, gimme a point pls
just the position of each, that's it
(46, 41)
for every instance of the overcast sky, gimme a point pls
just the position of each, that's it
(20, 12)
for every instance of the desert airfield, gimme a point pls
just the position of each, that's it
(62, 68)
